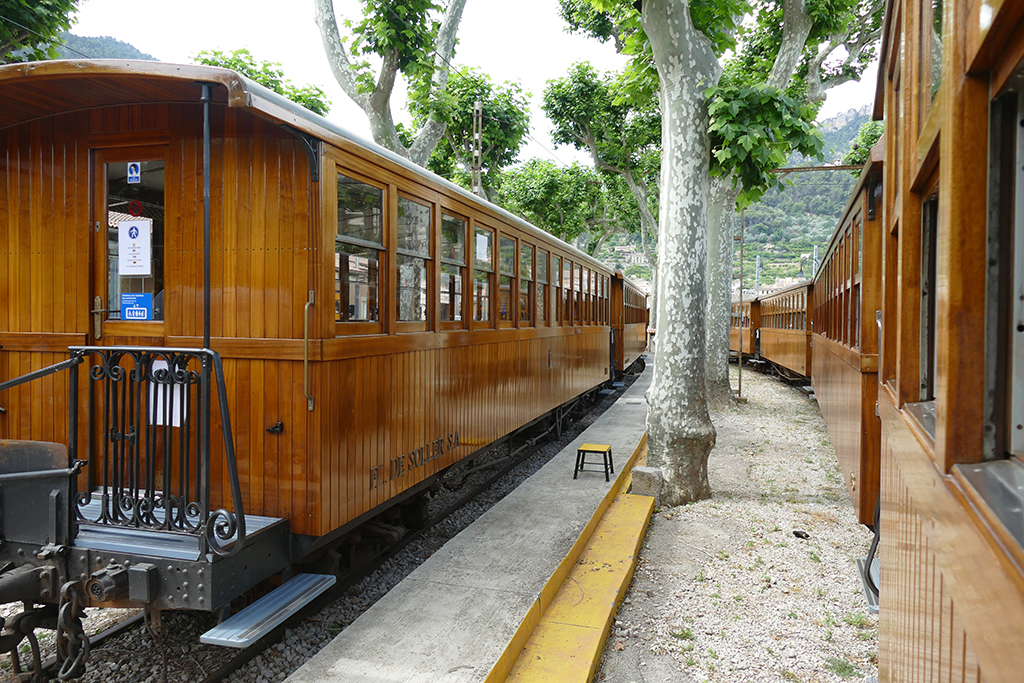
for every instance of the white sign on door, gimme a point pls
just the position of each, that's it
(135, 247)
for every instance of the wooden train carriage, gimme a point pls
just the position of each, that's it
(377, 323)
(629, 322)
(951, 370)
(784, 331)
(743, 325)
(847, 287)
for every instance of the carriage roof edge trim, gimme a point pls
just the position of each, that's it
(246, 94)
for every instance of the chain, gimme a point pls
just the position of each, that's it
(72, 643)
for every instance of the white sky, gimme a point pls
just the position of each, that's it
(521, 41)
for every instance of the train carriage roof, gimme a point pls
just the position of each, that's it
(34, 90)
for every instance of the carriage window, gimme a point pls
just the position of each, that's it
(483, 256)
(358, 247)
(929, 241)
(453, 262)
(525, 284)
(577, 287)
(556, 296)
(924, 410)
(542, 280)
(135, 240)
(931, 46)
(413, 255)
(567, 292)
(506, 278)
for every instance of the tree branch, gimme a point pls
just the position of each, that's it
(343, 70)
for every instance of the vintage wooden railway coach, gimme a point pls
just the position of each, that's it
(784, 328)
(369, 325)
(951, 364)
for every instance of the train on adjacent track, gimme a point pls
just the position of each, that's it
(235, 338)
(915, 327)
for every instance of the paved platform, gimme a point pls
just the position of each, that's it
(467, 612)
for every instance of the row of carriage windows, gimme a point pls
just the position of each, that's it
(532, 287)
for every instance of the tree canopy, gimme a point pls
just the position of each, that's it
(268, 74)
(570, 202)
(32, 28)
(504, 125)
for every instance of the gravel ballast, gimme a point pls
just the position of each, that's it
(724, 590)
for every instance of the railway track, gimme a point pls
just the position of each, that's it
(128, 652)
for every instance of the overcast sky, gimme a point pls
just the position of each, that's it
(521, 41)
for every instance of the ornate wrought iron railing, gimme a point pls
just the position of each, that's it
(148, 452)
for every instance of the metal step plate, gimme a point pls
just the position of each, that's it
(261, 617)
(869, 594)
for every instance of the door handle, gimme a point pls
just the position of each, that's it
(305, 352)
(97, 318)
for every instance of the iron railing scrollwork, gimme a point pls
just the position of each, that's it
(154, 460)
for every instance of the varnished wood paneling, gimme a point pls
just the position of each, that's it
(788, 348)
(388, 407)
(949, 610)
(846, 397)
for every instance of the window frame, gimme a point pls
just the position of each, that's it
(477, 229)
(407, 326)
(466, 268)
(331, 172)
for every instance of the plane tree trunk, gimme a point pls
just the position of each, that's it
(680, 433)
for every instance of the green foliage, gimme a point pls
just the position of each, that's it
(405, 32)
(505, 123)
(267, 74)
(860, 148)
(762, 39)
(567, 201)
(586, 114)
(404, 28)
(98, 47)
(841, 667)
(753, 130)
(582, 17)
(789, 221)
(638, 272)
(31, 28)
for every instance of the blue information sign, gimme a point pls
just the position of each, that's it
(136, 306)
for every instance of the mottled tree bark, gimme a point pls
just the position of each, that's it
(721, 229)
(680, 433)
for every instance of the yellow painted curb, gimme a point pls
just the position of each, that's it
(579, 639)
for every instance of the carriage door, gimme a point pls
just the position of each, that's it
(126, 301)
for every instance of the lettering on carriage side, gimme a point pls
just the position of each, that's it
(415, 458)
(397, 467)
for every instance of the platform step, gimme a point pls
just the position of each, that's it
(567, 642)
(261, 617)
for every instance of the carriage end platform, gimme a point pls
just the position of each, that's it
(493, 593)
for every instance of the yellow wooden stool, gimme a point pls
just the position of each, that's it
(603, 449)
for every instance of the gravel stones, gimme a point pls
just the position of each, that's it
(724, 591)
